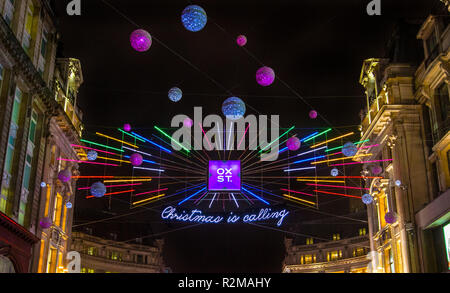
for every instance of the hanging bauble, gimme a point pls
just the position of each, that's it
(136, 159)
(334, 172)
(98, 189)
(377, 170)
(367, 198)
(175, 94)
(265, 76)
(45, 223)
(390, 217)
(349, 149)
(69, 205)
(127, 127)
(43, 184)
(241, 40)
(293, 143)
(140, 40)
(194, 18)
(65, 175)
(233, 108)
(92, 155)
(313, 114)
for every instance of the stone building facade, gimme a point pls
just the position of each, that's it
(407, 121)
(100, 255)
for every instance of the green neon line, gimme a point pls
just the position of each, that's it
(101, 145)
(130, 135)
(156, 127)
(340, 147)
(276, 139)
(317, 135)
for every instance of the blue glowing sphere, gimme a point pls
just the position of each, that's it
(43, 184)
(98, 189)
(349, 149)
(194, 18)
(367, 198)
(69, 205)
(334, 172)
(175, 94)
(92, 155)
(233, 108)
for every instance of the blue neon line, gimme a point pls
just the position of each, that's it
(284, 149)
(147, 161)
(192, 187)
(256, 196)
(307, 160)
(147, 140)
(235, 200)
(263, 190)
(309, 136)
(187, 198)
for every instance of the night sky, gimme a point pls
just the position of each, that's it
(316, 47)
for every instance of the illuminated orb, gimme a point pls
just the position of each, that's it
(376, 170)
(334, 172)
(65, 175)
(265, 76)
(293, 143)
(45, 223)
(390, 217)
(140, 40)
(136, 159)
(241, 40)
(233, 108)
(43, 184)
(175, 94)
(398, 183)
(367, 199)
(127, 127)
(98, 189)
(313, 114)
(349, 149)
(69, 205)
(194, 18)
(188, 122)
(92, 155)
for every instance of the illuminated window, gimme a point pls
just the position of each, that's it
(26, 41)
(389, 266)
(336, 236)
(58, 210)
(114, 255)
(398, 254)
(90, 271)
(52, 260)
(359, 251)
(362, 232)
(92, 251)
(334, 255)
(309, 241)
(382, 209)
(83, 271)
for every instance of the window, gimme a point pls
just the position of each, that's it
(114, 255)
(92, 251)
(336, 237)
(52, 260)
(334, 255)
(44, 42)
(398, 254)
(57, 210)
(389, 261)
(26, 41)
(309, 241)
(90, 271)
(359, 251)
(309, 259)
(382, 209)
(140, 259)
(443, 97)
(1, 76)
(362, 232)
(9, 12)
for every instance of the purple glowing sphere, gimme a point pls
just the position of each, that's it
(241, 40)
(376, 170)
(136, 159)
(293, 143)
(188, 122)
(127, 127)
(390, 217)
(265, 76)
(45, 223)
(65, 175)
(313, 114)
(140, 40)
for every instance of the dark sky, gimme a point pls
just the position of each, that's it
(315, 46)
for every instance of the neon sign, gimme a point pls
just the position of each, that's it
(224, 176)
(197, 216)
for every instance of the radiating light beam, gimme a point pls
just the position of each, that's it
(315, 180)
(191, 196)
(118, 140)
(235, 201)
(153, 191)
(299, 169)
(246, 190)
(299, 199)
(248, 126)
(153, 143)
(135, 137)
(311, 151)
(148, 199)
(317, 135)
(111, 186)
(333, 139)
(341, 147)
(342, 158)
(214, 197)
(136, 151)
(309, 136)
(148, 169)
(276, 139)
(87, 162)
(308, 160)
(340, 194)
(127, 180)
(168, 136)
(337, 186)
(363, 162)
(146, 161)
(299, 192)
(88, 148)
(101, 145)
(113, 193)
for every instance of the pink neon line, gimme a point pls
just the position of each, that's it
(153, 191)
(362, 162)
(205, 136)
(109, 186)
(369, 146)
(293, 191)
(248, 126)
(86, 162)
(88, 148)
(347, 187)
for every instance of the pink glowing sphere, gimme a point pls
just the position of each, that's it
(390, 217)
(45, 223)
(293, 143)
(313, 114)
(136, 159)
(127, 127)
(188, 122)
(65, 175)
(140, 40)
(376, 170)
(241, 40)
(265, 76)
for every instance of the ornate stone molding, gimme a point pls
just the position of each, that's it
(446, 3)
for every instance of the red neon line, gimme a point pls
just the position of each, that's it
(363, 162)
(87, 162)
(248, 126)
(110, 186)
(153, 191)
(371, 177)
(112, 193)
(88, 148)
(347, 187)
(207, 139)
(347, 195)
(293, 191)
(86, 177)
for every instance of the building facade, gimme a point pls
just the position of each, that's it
(407, 122)
(338, 256)
(100, 255)
(29, 114)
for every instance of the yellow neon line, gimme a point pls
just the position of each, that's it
(109, 159)
(148, 199)
(311, 180)
(288, 196)
(127, 180)
(130, 144)
(344, 158)
(333, 139)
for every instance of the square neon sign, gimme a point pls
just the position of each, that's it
(224, 176)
